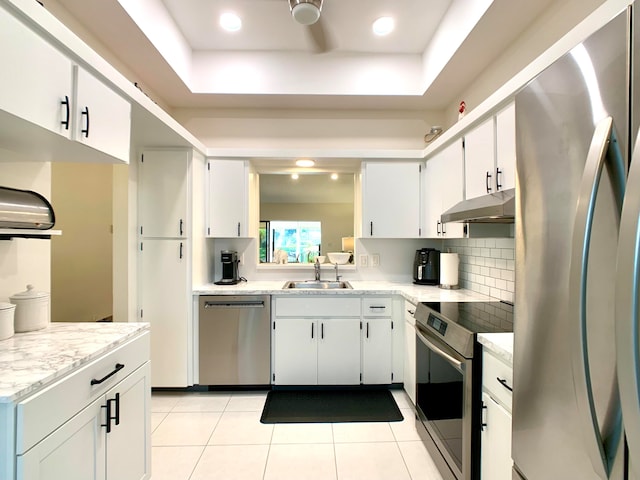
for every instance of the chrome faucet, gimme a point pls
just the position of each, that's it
(337, 276)
(316, 268)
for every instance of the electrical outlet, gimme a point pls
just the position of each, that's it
(364, 261)
(375, 260)
(241, 262)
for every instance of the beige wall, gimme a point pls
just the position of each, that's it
(336, 218)
(81, 259)
(25, 261)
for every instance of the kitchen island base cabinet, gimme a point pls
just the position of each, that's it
(93, 424)
(81, 449)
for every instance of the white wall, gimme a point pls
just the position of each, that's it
(25, 261)
(547, 29)
(311, 129)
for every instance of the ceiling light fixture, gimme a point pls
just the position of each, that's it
(230, 22)
(305, 12)
(305, 162)
(294, 176)
(334, 176)
(383, 26)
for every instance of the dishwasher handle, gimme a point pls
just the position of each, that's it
(241, 304)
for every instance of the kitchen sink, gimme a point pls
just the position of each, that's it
(317, 284)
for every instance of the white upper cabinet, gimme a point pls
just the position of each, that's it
(506, 148)
(43, 87)
(163, 194)
(37, 78)
(102, 117)
(228, 193)
(479, 160)
(391, 200)
(490, 155)
(443, 189)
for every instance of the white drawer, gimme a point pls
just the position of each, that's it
(45, 411)
(317, 306)
(496, 377)
(377, 307)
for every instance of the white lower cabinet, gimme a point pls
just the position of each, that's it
(376, 351)
(495, 438)
(410, 351)
(108, 437)
(164, 303)
(325, 340)
(317, 351)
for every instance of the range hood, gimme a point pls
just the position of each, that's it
(497, 207)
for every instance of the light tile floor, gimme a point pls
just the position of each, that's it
(218, 435)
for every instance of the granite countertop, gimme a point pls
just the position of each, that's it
(30, 361)
(411, 292)
(501, 344)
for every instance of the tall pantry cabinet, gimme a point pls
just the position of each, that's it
(166, 229)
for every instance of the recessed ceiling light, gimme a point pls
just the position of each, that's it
(334, 176)
(305, 162)
(230, 22)
(294, 176)
(383, 26)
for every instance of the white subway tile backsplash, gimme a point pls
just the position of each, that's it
(487, 265)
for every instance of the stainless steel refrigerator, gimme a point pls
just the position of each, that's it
(576, 410)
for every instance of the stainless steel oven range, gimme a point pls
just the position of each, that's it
(448, 380)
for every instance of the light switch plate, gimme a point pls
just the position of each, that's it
(364, 261)
(375, 260)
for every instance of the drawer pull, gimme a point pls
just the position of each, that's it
(503, 382)
(119, 366)
(377, 307)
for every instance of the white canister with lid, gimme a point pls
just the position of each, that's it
(7, 311)
(32, 310)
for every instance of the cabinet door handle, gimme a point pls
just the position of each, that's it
(412, 312)
(371, 229)
(498, 184)
(438, 227)
(180, 226)
(85, 113)
(322, 331)
(367, 329)
(238, 228)
(118, 367)
(109, 416)
(311, 330)
(488, 182)
(503, 382)
(117, 416)
(483, 423)
(444, 231)
(180, 250)
(65, 102)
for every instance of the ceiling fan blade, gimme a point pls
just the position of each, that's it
(320, 41)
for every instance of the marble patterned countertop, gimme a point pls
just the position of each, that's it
(501, 344)
(32, 360)
(411, 292)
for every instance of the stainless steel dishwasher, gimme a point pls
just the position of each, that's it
(235, 340)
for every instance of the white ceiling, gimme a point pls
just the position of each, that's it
(178, 53)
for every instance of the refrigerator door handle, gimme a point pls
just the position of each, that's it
(626, 308)
(604, 150)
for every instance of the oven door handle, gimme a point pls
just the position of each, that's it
(439, 351)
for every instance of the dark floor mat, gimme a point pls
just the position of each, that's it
(330, 406)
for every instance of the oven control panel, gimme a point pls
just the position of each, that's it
(438, 324)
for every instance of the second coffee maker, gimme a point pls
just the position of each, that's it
(426, 267)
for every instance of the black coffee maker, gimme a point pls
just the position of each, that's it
(426, 267)
(230, 276)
